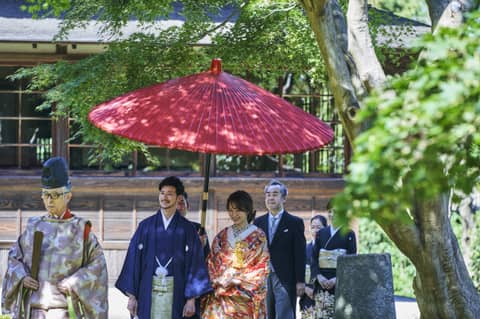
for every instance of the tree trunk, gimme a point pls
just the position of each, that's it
(452, 15)
(329, 26)
(360, 46)
(442, 285)
(465, 210)
(435, 10)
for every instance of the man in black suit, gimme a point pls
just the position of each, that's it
(285, 233)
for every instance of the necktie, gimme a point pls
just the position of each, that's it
(273, 226)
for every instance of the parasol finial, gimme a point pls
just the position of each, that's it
(216, 66)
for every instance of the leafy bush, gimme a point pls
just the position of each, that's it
(475, 262)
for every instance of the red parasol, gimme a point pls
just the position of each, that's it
(212, 112)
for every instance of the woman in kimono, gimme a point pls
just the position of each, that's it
(306, 303)
(330, 243)
(238, 265)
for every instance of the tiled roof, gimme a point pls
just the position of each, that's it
(18, 26)
(44, 30)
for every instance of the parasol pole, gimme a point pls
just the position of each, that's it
(206, 180)
(216, 69)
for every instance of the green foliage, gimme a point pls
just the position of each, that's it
(374, 241)
(424, 137)
(474, 266)
(115, 14)
(475, 262)
(47, 7)
(155, 56)
(273, 37)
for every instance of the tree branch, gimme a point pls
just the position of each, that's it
(405, 236)
(453, 12)
(315, 7)
(435, 10)
(287, 8)
(329, 25)
(224, 22)
(361, 48)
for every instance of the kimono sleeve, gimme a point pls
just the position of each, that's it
(197, 281)
(90, 282)
(12, 282)
(129, 279)
(219, 273)
(314, 267)
(351, 243)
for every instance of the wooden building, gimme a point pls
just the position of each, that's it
(113, 199)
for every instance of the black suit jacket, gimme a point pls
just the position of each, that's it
(200, 230)
(309, 253)
(287, 250)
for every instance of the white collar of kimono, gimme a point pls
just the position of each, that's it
(166, 221)
(333, 230)
(51, 216)
(231, 237)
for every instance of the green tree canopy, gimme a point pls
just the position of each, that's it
(424, 139)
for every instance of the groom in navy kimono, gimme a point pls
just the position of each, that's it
(168, 239)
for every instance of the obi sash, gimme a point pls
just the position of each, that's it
(328, 258)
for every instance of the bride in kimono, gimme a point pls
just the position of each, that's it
(238, 265)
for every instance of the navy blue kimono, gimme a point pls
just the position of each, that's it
(187, 266)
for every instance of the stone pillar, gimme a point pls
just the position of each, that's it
(364, 287)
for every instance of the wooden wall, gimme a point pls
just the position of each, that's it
(115, 205)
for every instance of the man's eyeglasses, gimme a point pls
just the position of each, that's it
(54, 196)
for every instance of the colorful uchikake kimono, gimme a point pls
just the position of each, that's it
(179, 253)
(69, 254)
(243, 258)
